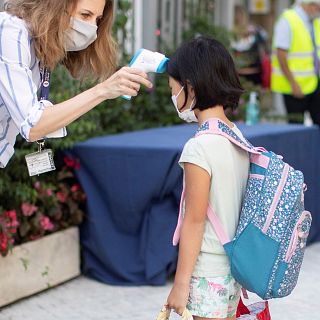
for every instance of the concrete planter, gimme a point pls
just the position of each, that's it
(38, 265)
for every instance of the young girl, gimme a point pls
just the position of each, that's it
(204, 83)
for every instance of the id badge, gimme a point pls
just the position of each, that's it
(40, 162)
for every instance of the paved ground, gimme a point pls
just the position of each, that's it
(85, 299)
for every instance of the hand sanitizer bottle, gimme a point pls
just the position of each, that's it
(252, 110)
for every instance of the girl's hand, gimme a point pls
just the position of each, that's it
(126, 81)
(178, 297)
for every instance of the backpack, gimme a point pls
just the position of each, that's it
(267, 251)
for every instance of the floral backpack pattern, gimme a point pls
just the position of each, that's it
(267, 251)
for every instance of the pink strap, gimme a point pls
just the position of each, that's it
(214, 219)
(177, 232)
(260, 159)
(218, 228)
(214, 128)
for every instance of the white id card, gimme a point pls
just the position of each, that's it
(40, 162)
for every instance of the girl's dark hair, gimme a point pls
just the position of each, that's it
(207, 65)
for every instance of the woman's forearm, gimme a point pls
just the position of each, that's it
(62, 114)
(126, 81)
(189, 248)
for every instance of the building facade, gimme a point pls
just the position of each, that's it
(150, 19)
(169, 18)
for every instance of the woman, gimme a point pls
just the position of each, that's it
(36, 35)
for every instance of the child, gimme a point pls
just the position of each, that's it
(204, 82)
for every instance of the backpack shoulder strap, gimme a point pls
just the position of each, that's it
(216, 126)
(213, 217)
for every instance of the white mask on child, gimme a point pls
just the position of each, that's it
(187, 115)
(80, 35)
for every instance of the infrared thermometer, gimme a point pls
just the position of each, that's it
(148, 61)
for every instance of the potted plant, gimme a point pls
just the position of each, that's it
(39, 240)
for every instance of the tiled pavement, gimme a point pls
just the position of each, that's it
(85, 299)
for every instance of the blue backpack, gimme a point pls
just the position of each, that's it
(267, 251)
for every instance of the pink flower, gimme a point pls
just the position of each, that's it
(75, 187)
(28, 209)
(37, 185)
(12, 226)
(77, 164)
(73, 163)
(69, 162)
(4, 241)
(62, 197)
(49, 192)
(215, 286)
(12, 214)
(45, 223)
(11, 222)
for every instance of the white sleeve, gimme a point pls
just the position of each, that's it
(58, 133)
(282, 34)
(194, 153)
(17, 89)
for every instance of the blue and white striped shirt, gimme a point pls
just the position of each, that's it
(20, 109)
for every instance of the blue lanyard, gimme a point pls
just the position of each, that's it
(45, 83)
(45, 75)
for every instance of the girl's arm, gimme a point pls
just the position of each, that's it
(197, 185)
(124, 82)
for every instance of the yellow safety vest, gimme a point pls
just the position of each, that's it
(300, 57)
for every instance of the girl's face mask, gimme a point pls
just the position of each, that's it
(80, 35)
(187, 115)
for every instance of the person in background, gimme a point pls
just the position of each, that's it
(35, 36)
(295, 60)
(249, 47)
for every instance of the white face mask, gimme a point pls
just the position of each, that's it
(187, 115)
(80, 35)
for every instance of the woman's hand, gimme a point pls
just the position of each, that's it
(178, 297)
(126, 81)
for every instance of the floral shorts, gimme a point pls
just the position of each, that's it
(216, 297)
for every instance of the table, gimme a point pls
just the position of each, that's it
(133, 184)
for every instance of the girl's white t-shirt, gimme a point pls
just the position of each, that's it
(228, 167)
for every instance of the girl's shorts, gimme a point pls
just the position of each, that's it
(216, 297)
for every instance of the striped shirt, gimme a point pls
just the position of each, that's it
(20, 109)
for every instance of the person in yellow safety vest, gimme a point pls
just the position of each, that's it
(295, 60)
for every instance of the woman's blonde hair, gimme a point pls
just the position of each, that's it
(48, 20)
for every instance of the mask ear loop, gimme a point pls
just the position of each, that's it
(192, 106)
(177, 97)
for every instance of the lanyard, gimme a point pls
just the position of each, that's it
(45, 83)
(45, 76)
(41, 161)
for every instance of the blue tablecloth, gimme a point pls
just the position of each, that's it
(133, 184)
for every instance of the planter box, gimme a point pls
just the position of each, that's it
(38, 265)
